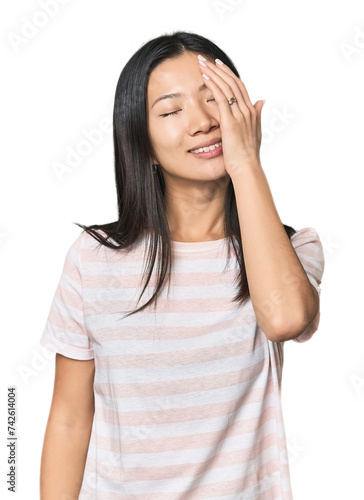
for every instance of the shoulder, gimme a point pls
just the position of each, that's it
(81, 247)
(309, 248)
(87, 240)
(306, 236)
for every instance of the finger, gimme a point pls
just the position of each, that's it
(260, 121)
(224, 106)
(229, 87)
(239, 82)
(254, 115)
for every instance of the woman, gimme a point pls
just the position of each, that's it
(180, 400)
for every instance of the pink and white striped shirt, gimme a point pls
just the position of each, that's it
(187, 395)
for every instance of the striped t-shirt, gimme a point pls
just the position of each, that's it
(187, 395)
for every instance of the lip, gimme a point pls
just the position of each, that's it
(206, 144)
(209, 154)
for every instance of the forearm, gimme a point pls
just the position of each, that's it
(281, 294)
(63, 461)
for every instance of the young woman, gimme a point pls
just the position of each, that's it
(179, 398)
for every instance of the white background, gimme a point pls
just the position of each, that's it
(306, 59)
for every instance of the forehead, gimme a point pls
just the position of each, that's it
(177, 74)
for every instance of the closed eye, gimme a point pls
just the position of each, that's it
(172, 113)
(175, 112)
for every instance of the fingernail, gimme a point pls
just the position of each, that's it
(201, 57)
(219, 62)
(206, 76)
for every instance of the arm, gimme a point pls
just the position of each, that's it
(282, 296)
(68, 429)
(284, 300)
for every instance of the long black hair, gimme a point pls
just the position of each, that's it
(140, 193)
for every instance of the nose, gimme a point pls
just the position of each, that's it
(201, 119)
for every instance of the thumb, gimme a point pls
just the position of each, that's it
(259, 106)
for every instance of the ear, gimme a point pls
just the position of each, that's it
(152, 157)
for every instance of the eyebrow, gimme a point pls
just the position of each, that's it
(176, 94)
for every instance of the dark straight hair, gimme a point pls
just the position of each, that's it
(140, 193)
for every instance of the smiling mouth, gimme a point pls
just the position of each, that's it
(212, 151)
(206, 149)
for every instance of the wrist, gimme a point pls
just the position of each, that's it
(245, 167)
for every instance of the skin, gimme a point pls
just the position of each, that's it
(195, 187)
(284, 300)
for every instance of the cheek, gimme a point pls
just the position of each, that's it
(167, 137)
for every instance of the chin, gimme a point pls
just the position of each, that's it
(213, 174)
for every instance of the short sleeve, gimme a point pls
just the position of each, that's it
(309, 250)
(65, 330)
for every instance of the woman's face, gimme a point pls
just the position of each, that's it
(195, 122)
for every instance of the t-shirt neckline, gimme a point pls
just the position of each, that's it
(198, 245)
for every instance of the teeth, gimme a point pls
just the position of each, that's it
(208, 148)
